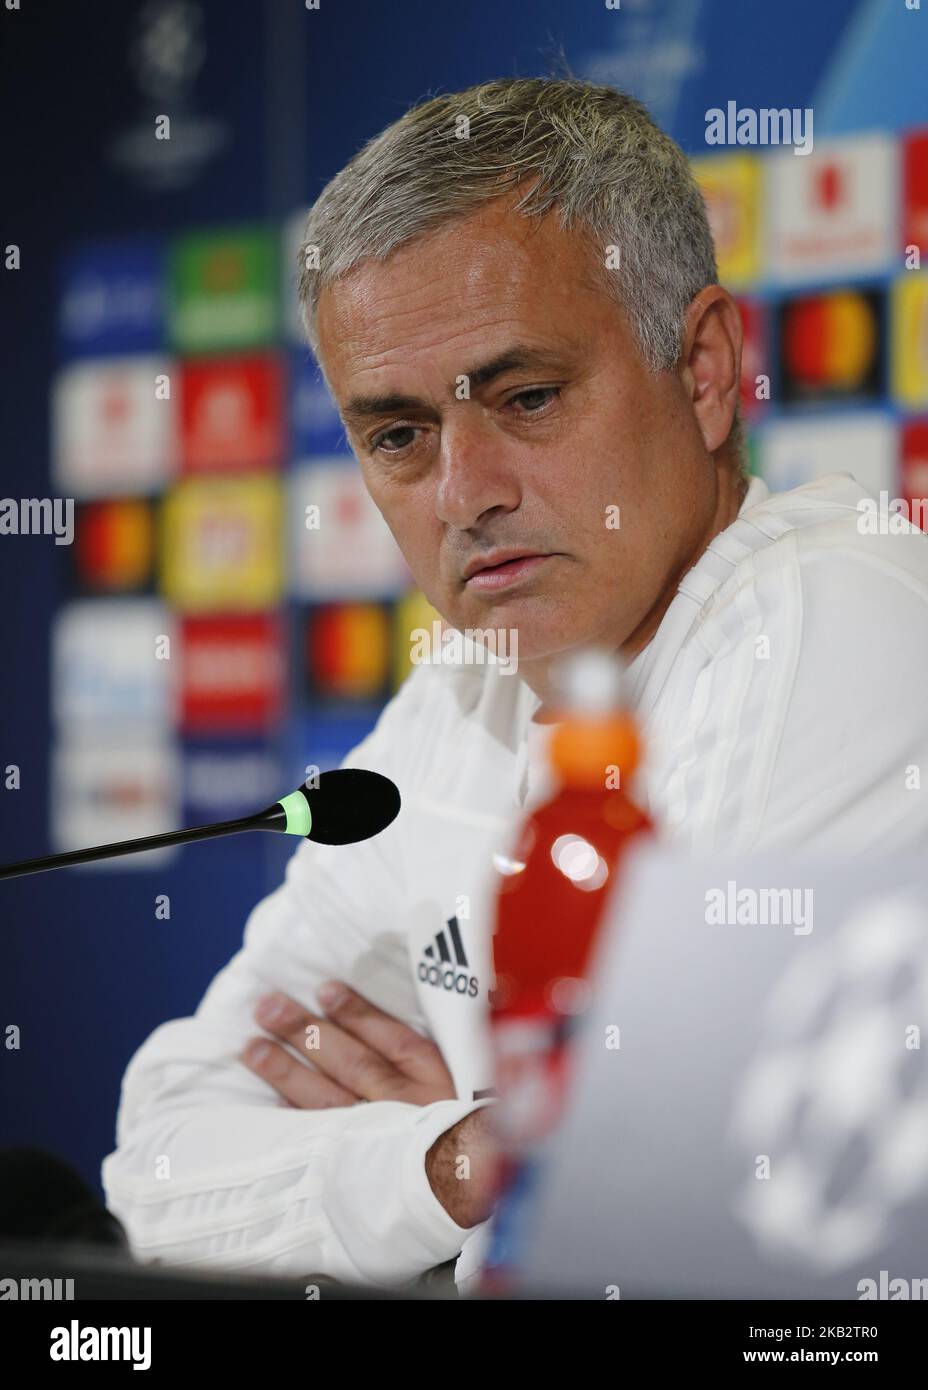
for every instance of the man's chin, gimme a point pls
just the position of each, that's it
(532, 644)
(537, 626)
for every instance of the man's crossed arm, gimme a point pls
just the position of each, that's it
(356, 1052)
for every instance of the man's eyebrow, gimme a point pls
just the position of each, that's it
(519, 357)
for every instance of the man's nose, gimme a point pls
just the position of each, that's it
(475, 475)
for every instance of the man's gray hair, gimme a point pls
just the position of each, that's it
(589, 152)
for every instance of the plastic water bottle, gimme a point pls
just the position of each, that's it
(551, 895)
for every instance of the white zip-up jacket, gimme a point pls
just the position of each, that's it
(784, 700)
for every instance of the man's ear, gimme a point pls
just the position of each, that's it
(710, 361)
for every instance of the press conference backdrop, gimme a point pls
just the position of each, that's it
(221, 521)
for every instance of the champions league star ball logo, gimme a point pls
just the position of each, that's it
(832, 1114)
(170, 144)
(167, 49)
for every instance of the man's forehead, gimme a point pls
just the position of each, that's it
(459, 293)
(456, 267)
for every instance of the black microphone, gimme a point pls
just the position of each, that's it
(348, 805)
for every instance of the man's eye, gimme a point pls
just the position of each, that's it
(537, 398)
(389, 437)
(531, 402)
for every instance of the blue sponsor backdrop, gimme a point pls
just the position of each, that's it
(275, 98)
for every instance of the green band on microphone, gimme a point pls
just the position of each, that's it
(299, 816)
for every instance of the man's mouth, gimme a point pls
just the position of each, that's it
(491, 573)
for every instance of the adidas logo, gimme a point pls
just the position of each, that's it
(445, 970)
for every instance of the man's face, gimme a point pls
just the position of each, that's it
(496, 400)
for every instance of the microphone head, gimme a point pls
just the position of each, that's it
(350, 804)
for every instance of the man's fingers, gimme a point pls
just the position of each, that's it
(361, 1048)
(410, 1053)
(350, 1063)
(300, 1085)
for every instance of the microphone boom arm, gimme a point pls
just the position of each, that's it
(273, 818)
(347, 805)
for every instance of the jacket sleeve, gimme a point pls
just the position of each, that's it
(211, 1166)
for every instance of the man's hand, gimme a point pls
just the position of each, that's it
(354, 1052)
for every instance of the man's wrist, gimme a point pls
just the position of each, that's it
(461, 1168)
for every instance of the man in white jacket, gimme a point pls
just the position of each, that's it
(512, 292)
